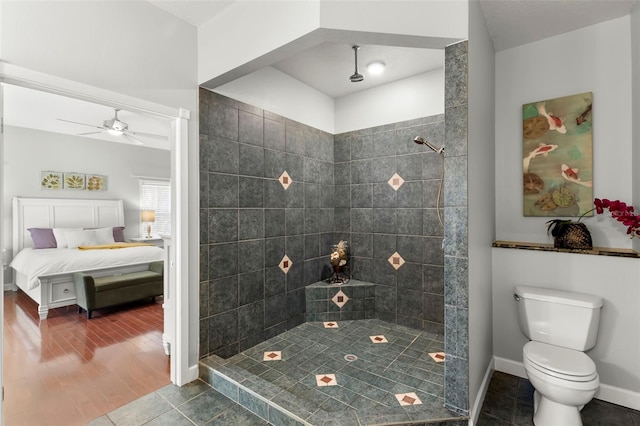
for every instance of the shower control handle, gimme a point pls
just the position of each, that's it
(516, 297)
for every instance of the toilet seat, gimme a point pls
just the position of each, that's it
(562, 363)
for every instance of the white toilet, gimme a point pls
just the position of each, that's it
(561, 325)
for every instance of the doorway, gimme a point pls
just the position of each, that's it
(178, 137)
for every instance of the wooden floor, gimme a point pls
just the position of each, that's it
(67, 370)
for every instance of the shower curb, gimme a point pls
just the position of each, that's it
(234, 382)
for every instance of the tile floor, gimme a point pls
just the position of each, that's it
(393, 380)
(304, 370)
(67, 370)
(509, 402)
(369, 371)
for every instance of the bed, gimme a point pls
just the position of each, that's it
(46, 275)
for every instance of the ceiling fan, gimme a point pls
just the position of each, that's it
(115, 127)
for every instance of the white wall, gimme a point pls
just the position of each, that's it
(594, 59)
(635, 70)
(414, 97)
(481, 202)
(277, 92)
(615, 279)
(27, 152)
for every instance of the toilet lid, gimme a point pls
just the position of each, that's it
(560, 362)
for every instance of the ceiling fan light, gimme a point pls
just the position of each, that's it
(376, 67)
(114, 132)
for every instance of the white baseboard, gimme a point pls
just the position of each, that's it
(613, 394)
(477, 405)
(619, 396)
(193, 373)
(515, 368)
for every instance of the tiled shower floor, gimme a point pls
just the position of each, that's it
(304, 372)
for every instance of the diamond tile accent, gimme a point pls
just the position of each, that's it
(285, 264)
(272, 356)
(330, 324)
(408, 398)
(437, 356)
(326, 380)
(285, 180)
(378, 339)
(396, 260)
(396, 181)
(340, 299)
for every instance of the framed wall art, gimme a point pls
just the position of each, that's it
(96, 183)
(558, 156)
(74, 181)
(50, 180)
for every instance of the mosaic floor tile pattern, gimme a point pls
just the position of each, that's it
(392, 383)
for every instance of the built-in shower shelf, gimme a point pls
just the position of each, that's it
(599, 251)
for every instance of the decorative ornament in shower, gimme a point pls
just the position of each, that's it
(339, 258)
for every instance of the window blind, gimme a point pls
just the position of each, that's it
(156, 195)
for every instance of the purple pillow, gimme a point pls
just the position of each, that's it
(43, 238)
(118, 234)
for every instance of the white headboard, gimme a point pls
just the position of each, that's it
(61, 213)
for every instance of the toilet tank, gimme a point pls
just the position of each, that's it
(560, 318)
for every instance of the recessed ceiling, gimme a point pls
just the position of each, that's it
(510, 23)
(327, 66)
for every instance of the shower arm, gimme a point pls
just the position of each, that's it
(422, 141)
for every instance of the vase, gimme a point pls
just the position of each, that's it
(573, 236)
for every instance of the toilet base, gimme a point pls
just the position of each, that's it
(550, 413)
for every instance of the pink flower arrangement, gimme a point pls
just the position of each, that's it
(621, 212)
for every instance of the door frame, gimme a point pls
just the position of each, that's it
(178, 309)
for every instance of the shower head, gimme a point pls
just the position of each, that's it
(356, 77)
(422, 141)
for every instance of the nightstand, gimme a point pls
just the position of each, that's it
(156, 241)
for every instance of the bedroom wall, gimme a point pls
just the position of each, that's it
(129, 47)
(57, 152)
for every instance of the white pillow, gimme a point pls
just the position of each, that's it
(104, 235)
(59, 234)
(81, 238)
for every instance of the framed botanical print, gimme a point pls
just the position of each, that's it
(50, 180)
(74, 181)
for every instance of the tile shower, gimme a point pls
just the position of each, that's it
(262, 244)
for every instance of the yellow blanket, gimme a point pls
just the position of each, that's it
(113, 246)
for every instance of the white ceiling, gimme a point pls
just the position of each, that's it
(325, 67)
(38, 110)
(510, 23)
(328, 66)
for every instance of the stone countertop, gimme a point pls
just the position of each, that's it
(599, 251)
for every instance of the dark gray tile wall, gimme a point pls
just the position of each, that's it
(248, 221)
(456, 260)
(380, 221)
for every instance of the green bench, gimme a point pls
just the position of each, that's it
(102, 292)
